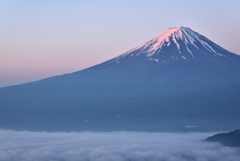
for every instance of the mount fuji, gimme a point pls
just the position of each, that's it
(178, 81)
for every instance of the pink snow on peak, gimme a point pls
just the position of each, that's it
(172, 36)
(157, 42)
(184, 44)
(168, 32)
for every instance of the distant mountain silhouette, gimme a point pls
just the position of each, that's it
(227, 139)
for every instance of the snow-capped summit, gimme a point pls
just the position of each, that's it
(177, 43)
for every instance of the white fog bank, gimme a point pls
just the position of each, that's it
(112, 146)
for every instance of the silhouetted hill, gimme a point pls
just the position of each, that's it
(227, 139)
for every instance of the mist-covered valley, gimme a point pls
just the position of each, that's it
(112, 146)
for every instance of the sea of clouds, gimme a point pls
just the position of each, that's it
(111, 146)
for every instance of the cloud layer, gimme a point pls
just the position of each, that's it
(111, 146)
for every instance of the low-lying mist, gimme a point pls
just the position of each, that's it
(111, 146)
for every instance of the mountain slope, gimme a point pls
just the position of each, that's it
(173, 81)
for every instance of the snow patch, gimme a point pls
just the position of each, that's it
(156, 60)
(189, 51)
(175, 41)
(204, 43)
(184, 57)
(189, 38)
(219, 54)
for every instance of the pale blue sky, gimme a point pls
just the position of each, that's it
(43, 38)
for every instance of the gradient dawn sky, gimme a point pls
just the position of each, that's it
(43, 38)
